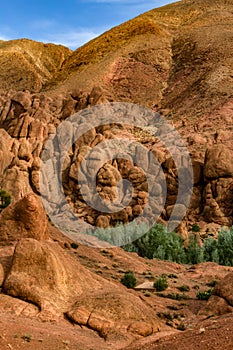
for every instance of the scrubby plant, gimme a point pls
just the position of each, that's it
(225, 247)
(5, 199)
(220, 250)
(129, 280)
(174, 296)
(172, 275)
(159, 244)
(181, 327)
(74, 245)
(184, 288)
(27, 337)
(196, 228)
(212, 283)
(161, 284)
(204, 295)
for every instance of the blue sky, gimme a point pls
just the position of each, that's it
(71, 22)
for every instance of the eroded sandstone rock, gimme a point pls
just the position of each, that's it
(218, 162)
(25, 218)
(44, 274)
(112, 313)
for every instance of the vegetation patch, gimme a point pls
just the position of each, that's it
(205, 295)
(129, 280)
(161, 284)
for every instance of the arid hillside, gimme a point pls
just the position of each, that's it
(177, 57)
(28, 65)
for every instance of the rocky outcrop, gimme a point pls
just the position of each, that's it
(25, 218)
(158, 60)
(26, 122)
(54, 281)
(43, 274)
(218, 162)
(218, 193)
(113, 314)
(221, 300)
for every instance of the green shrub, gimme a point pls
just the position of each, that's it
(204, 295)
(210, 250)
(181, 327)
(225, 247)
(129, 280)
(27, 337)
(220, 250)
(172, 275)
(174, 296)
(196, 228)
(184, 288)
(161, 284)
(165, 315)
(5, 199)
(74, 245)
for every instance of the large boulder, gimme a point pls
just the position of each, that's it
(25, 218)
(114, 313)
(44, 274)
(218, 162)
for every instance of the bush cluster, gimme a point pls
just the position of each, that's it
(157, 243)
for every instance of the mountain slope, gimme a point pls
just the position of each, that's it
(27, 65)
(126, 61)
(177, 57)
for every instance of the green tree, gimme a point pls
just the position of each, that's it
(210, 250)
(225, 247)
(194, 252)
(160, 244)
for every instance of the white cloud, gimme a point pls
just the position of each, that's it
(72, 39)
